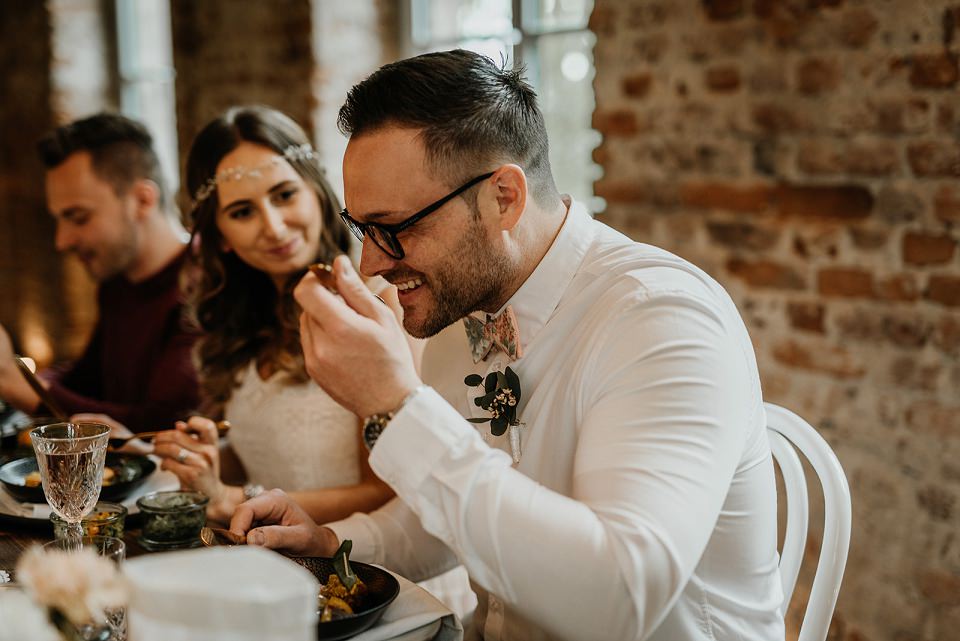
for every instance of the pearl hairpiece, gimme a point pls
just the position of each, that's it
(291, 153)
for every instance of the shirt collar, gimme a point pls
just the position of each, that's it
(538, 297)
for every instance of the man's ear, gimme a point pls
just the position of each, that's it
(146, 195)
(510, 184)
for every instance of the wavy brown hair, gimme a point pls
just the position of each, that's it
(238, 308)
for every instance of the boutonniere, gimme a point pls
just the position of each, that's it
(501, 397)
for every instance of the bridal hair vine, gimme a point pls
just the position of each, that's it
(293, 153)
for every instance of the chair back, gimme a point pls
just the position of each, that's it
(788, 434)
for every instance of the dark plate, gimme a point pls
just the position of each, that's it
(382, 590)
(131, 471)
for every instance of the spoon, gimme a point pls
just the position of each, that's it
(116, 442)
(213, 536)
(41, 390)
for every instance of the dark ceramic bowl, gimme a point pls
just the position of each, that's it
(382, 589)
(130, 471)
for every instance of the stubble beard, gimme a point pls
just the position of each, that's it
(472, 278)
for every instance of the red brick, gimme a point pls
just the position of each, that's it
(835, 361)
(902, 287)
(723, 9)
(940, 586)
(765, 273)
(899, 116)
(615, 122)
(934, 71)
(746, 198)
(806, 316)
(938, 503)
(742, 235)
(906, 373)
(816, 76)
(946, 118)
(637, 85)
(857, 27)
(844, 202)
(929, 417)
(845, 282)
(620, 191)
(868, 238)
(603, 20)
(906, 331)
(772, 118)
(940, 159)
(723, 79)
(928, 249)
(944, 290)
(873, 159)
(946, 334)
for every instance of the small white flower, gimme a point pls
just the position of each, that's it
(5, 576)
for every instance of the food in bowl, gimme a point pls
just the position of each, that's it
(172, 520)
(33, 478)
(106, 519)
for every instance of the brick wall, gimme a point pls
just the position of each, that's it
(807, 154)
(230, 52)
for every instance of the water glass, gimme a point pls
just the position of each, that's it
(71, 458)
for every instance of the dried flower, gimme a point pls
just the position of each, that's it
(501, 398)
(80, 585)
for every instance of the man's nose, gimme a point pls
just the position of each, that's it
(373, 260)
(62, 239)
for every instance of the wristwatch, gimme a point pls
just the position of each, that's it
(374, 424)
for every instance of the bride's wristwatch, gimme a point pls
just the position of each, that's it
(374, 424)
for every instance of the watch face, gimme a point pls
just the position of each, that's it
(372, 430)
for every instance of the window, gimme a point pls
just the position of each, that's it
(145, 51)
(549, 37)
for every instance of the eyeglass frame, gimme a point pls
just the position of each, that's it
(360, 229)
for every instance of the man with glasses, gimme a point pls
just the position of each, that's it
(624, 487)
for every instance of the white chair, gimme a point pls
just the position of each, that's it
(787, 431)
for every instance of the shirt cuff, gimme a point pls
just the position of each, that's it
(424, 431)
(361, 529)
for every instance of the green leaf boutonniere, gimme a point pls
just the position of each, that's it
(501, 398)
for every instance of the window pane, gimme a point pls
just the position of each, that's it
(554, 15)
(455, 20)
(565, 87)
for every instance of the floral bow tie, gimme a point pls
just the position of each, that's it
(499, 331)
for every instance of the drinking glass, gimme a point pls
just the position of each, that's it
(114, 625)
(71, 457)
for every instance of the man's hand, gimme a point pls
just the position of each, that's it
(273, 520)
(354, 347)
(13, 387)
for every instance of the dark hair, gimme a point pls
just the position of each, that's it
(472, 114)
(238, 308)
(121, 150)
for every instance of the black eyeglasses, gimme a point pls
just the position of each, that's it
(385, 236)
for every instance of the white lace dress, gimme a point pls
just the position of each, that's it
(291, 435)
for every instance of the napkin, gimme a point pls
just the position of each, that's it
(221, 594)
(415, 614)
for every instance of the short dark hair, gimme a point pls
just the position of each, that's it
(471, 113)
(121, 150)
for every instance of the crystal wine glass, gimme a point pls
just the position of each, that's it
(71, 457)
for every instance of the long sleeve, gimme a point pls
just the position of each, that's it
(661, 407)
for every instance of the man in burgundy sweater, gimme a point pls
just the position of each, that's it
(106, 192)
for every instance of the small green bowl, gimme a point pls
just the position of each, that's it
(106, 519)
(172, 520)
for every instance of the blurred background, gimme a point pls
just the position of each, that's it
(806, 153)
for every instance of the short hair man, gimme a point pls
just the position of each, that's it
(636, 498)
(106, 192)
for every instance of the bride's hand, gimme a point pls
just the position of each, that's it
(191, 451)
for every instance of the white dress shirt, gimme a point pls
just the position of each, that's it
(644, 504)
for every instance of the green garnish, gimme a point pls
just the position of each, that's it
(341, 563)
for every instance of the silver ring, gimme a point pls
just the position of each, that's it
(182, 455)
